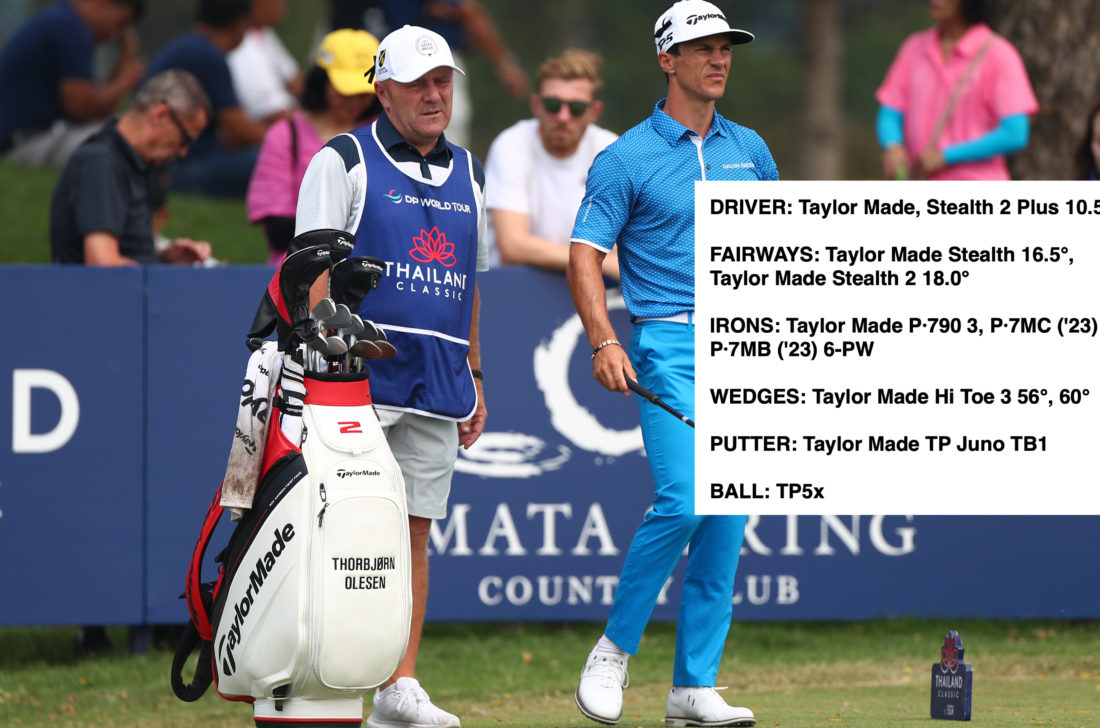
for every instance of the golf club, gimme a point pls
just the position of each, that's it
(646, 394)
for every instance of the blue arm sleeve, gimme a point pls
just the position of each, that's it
(1011, 135)
(888, 126)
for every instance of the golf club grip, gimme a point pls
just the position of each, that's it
(650, 396)
(641, 391)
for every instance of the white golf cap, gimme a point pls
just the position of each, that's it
(408, 53)
(691, 19)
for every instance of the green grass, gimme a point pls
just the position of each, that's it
(849, 675)
(25, 214)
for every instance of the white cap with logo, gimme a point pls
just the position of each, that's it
(408, 53)
(691, 19)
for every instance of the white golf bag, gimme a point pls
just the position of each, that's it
(313, 601)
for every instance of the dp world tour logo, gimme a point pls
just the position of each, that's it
(432, 247)
(394, 196)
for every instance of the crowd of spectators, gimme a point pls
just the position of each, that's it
(955, 101)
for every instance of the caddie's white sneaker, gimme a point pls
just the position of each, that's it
(704, 707)
(405, 705)
(600, 693)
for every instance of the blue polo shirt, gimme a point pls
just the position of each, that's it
(53, 46)
(641, 195)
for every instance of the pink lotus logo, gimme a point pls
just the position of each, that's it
(949, 655)
(432, 246)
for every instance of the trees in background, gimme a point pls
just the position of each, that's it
(821, 148)
(1060, 45)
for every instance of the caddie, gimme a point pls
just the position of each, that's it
(416, 201)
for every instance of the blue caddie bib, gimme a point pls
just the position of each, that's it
(427, 234)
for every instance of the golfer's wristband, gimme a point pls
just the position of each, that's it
(609, 342)
(477, 374)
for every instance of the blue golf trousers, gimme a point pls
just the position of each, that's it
(663, 355)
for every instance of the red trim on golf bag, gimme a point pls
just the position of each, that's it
(235, 698)
(338, 393)
(276, 448)
(196, 604)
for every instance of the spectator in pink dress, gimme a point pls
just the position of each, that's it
(955, 101)
(337, 98)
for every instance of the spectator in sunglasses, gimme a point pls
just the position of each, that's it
(537, 167)
(105, 201)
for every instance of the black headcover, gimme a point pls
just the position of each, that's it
(286, 301)
(285, 304)
(339, 242)
(353, 278)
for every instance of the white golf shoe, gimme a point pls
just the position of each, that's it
(406, 705)
(600, 693)
(704, 707)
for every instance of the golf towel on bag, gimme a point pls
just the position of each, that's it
(313, 601)
(242, 472)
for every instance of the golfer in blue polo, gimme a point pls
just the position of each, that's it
(640, 195)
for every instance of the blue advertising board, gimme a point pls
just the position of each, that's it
(114, 435)
(72, 426)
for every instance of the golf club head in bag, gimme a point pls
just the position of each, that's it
(377, 337)
(285, 304)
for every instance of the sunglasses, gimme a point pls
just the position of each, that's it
(553, 105)
(188, 140)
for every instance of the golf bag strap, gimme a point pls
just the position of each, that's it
(204, 668)
(199, 597)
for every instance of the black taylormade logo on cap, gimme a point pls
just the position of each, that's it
(693, 19)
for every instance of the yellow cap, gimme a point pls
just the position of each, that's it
(346, 55)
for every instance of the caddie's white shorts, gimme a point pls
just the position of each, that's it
(426, 449)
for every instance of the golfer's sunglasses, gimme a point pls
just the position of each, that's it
(188, 140)
(553, 105)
